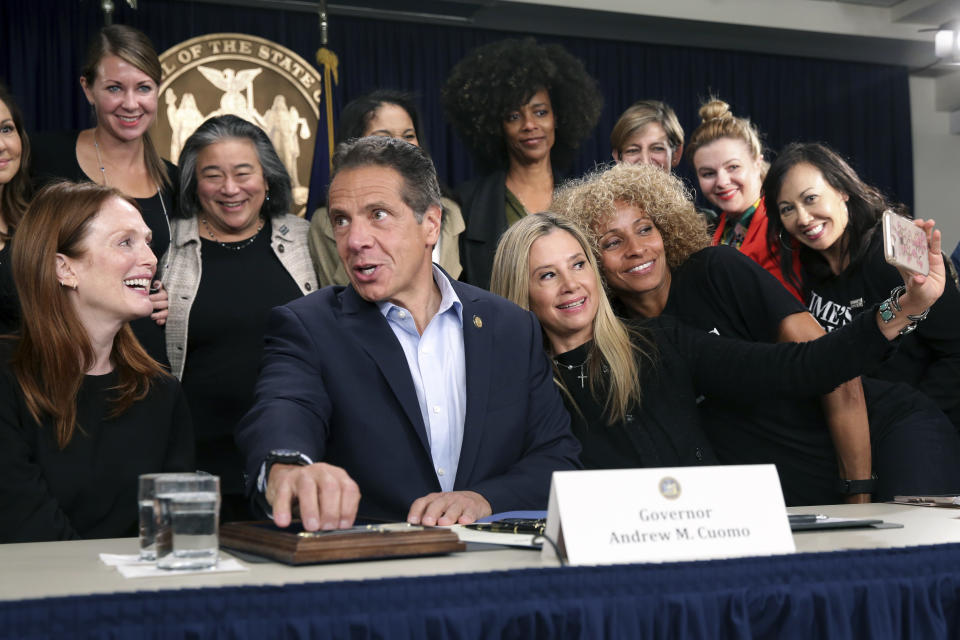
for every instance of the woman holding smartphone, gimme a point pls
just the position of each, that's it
(823, 212)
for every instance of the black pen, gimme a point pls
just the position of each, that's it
(805, 518)
(516, 525)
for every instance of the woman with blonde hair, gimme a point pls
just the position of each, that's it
(648, 132)
(84, 410)
(650, 242)
(727, 156)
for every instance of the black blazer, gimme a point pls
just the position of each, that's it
(484, 212)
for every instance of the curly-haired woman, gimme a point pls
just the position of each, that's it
(653, 255)
(523, 109)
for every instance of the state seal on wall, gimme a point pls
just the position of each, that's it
(247, 76)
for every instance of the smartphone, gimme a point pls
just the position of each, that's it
(905, 244)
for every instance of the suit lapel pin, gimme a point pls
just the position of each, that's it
(477, 322)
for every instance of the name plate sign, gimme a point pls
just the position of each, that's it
(667, 514)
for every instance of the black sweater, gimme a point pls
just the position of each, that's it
(88, 489)
(665, 430)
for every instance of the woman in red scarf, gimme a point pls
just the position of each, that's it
(728, 159)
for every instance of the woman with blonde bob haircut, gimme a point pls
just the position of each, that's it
(652, 250)
(648, 132)
(545, 264)
(83, 409)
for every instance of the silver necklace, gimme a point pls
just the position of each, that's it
(103, 174)
(236, 246)
(570, 367)
(103, 169)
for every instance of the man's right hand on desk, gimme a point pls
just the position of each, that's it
(327, 497)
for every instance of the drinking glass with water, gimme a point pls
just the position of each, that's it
(186, 509)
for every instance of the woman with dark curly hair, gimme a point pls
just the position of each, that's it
(833, 218)
(523, 109)
(654, 257)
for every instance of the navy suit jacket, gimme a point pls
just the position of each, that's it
(335, 385)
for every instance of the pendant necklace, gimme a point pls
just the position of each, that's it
(103, 169)
(103, 174)
(570, 367)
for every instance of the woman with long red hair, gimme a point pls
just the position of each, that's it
(83, 409)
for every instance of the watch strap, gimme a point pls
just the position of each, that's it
(852, 487)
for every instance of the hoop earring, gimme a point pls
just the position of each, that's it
(785, 243)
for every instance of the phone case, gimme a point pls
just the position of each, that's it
(905, 244)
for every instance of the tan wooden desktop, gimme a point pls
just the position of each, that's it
(46, 569)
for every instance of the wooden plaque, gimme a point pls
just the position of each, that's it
(293, 545)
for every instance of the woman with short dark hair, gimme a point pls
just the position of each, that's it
(393, 114)
(236, 252)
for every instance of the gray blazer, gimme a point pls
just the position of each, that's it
(182, 271)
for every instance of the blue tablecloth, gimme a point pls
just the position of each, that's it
(891, 593)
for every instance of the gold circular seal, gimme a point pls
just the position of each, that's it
(250, 77)
(669, 488)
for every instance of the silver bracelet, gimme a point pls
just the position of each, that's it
(893, 302)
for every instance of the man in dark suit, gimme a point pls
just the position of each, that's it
(404, 394)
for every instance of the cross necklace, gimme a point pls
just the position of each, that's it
(570, 367)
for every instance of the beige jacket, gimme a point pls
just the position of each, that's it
(182, 272)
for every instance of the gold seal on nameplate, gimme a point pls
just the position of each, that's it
(250, 77)
(669, 488)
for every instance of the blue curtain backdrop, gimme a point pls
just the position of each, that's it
(862, 110)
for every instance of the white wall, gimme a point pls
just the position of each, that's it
(936, 162)
(804, 15)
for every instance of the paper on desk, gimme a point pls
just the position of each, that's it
(495, 537)
(929, 501)
(131, 566)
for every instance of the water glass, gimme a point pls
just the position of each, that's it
(146, 500)
(187, 513)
